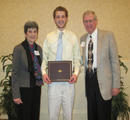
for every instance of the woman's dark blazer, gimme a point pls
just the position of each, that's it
(20, 73)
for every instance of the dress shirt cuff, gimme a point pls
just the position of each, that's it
(43, 72)
(76, 72)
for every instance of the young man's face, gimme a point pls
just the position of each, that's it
(60, 20)
(31, 35)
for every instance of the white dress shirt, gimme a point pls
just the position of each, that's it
(71, 50)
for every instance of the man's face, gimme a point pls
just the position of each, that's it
(90, 23)
(60, 20)
(31, 35)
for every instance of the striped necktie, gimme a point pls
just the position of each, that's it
(90, 58)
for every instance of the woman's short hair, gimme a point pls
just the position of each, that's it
(30, 24)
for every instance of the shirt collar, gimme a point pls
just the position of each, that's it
(94, 34)
(61, 31)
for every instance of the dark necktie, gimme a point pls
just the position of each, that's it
(90, 58)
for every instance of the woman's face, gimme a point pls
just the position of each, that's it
(31, 35)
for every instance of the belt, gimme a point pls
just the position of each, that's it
(95, 69)
(92, 73)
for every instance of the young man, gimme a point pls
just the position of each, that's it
(61, 92)
(101, 63)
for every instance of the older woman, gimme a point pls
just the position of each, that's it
(26, 74)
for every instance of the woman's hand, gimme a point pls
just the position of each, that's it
(18, 101)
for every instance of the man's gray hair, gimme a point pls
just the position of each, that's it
(90, 12)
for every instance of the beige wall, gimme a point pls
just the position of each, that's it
(113, 15)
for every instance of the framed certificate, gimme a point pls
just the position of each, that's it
(59, 71)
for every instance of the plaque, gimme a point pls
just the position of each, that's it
(59, 71)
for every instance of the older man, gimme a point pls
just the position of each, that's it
(102, 71)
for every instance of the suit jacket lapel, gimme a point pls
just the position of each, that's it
(100, 42)
(84, 49)
(99, 45)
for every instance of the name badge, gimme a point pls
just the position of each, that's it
(36, 52)
(82, 44)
